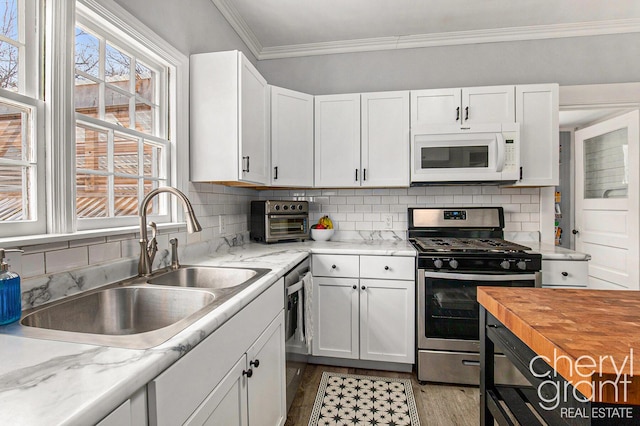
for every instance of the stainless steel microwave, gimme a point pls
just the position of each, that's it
(279, 220)
(480, 154)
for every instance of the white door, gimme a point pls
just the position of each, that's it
(291, 138)
(337, 141)
(607, 188)
(385, 139)
(335, 317)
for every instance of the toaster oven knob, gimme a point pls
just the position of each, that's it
(522, 265)
(453, 263)
(437, 263)
(505, 264)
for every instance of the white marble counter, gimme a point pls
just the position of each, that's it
(50, 382)
(551, 252)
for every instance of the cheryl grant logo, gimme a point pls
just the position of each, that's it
(558, 393)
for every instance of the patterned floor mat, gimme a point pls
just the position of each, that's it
(348, 399)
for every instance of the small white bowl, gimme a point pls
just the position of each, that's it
(322, 234)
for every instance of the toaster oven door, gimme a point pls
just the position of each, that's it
(284, 227)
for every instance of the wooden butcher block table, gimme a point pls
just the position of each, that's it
(579, 349)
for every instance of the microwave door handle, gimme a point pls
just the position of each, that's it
(501, 152)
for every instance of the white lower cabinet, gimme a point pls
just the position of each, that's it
(565, 273)
(234, 377)
(364, 318)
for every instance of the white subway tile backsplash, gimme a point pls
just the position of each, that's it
(32, 265)
(63, 260)
(106, 252)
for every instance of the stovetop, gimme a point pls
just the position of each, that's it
(476, 245)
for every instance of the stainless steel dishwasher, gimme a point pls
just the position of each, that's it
(297, 352)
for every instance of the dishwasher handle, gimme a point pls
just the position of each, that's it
(294, 288)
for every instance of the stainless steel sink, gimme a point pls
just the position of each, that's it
(208, 277)
(139, 313)
(132, 317)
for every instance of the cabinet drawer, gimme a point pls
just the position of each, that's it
(388, 267)
(565, 272)
(332, 265)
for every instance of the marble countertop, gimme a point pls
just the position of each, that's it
(67, 383)
(551, 252)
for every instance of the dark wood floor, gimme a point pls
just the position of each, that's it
(438, 405)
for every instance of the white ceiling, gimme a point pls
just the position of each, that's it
(286, 28)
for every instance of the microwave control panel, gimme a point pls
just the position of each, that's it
(510, 152)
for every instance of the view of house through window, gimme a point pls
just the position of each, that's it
(120, 150)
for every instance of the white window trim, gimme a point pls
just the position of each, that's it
(61, 114)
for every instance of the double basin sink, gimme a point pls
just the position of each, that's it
(139, 313)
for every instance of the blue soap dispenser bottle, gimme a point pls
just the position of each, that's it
(10, 296)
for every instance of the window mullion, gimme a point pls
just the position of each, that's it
(111, 178)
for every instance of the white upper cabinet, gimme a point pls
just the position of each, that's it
(537, 112)
(229, 119)
(291, 138)
(362, 140)
(463, 107)
(385, 139)
(337, 141)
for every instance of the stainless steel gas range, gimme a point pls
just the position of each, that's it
(460, 249)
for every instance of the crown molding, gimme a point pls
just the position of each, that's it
(236, 21)
(536, 32)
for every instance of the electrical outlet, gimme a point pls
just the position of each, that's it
(388, 221)
(222, 224)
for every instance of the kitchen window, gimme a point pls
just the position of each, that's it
(122, 145)
(22, 191)
(87, 87)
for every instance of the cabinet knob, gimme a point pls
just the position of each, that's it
(466, 113)
(355, 287)
(575, 231)
(457, 113)
(386, 268)
(363, 288)
(247, 373)
(255, 363)
(333, 266)
(275, 172)
(565, 274)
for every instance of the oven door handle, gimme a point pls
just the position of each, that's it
(288, 216)
(479, 277)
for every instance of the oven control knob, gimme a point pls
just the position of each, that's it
(293, 206)
(299, 206)
(522, 265)
(453, 263)
(285, 207)
(505, 264)
(437, 263)
(277, 207)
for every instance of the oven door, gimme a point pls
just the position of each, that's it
(280, 227)
(448, 312)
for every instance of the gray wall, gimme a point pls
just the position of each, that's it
(192, 26)
(568, 61)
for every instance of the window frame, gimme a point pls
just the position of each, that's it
(29, 96)
(87, 13)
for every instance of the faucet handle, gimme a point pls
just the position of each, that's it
(175, 264)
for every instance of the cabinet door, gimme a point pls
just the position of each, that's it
(266, 386)
(387, 324)
(337, 141)
(335, 317)
(291, 138)
(254, 124)
(537, 112)
(435, 107)
(385, 139)
(227, 403)
(491, 104)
